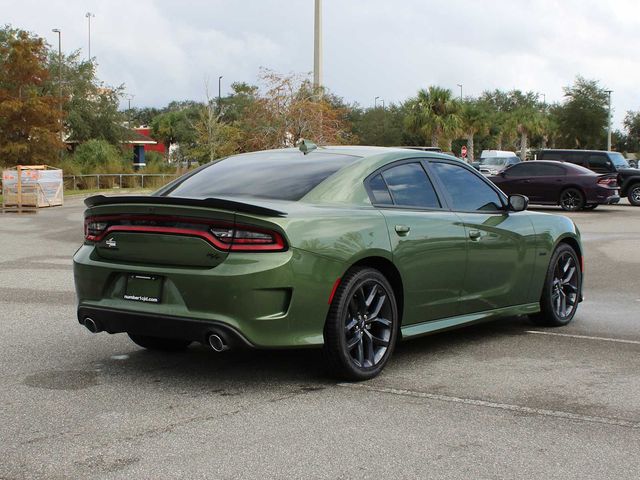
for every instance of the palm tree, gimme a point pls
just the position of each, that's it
(474, 117)
(525, 118)
(434, 113)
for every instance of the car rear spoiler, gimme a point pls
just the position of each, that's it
(98, 200)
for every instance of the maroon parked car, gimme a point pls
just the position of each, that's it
(553, 183)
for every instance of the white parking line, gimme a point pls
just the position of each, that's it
(501, 406)
(585, 337)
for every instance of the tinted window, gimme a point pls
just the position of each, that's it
(380, 191)
(468, 192)
(599, 163)
(544, 169)
(282, 175)
(410, 186)
(521, 170)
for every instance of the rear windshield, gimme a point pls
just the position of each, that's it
(280, 175)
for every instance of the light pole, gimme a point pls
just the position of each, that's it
(317, 46)
(89, 16)
(59, 32)
(609, 122)
(460, 85)
(219, 94)
(383, 104)
(375, 102)
(129, 98)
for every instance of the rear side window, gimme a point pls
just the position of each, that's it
(410, 187)
(379, 190)
(280, 175)
(468, 192)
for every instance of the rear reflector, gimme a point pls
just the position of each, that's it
(226, 237)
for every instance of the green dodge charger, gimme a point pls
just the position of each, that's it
(345, 248)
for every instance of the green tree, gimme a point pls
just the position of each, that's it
(29, 110)
(474, 118)
(91, 107)
(434, 113)
(631, 124)
(584, 114)
(525, 118)
(177, 126)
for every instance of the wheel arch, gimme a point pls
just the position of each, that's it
(575, 187)
(391, 272)
(573, 243)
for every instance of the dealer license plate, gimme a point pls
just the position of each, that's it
(143, 288)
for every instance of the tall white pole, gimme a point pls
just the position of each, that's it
(609, 123)
(317, 46)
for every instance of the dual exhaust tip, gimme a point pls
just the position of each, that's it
(216, 342)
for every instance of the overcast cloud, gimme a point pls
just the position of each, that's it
(163, 50)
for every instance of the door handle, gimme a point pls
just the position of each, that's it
(526, 181)
(402, 230)
(474, 234)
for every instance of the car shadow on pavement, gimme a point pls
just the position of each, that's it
(246, 369)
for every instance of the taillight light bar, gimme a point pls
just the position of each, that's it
(223, 236)
(608, 182)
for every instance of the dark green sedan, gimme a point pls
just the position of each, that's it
(346, 248)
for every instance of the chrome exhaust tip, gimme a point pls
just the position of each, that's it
(217, 343)
(92, 325)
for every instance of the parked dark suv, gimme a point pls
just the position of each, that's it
(602, 162)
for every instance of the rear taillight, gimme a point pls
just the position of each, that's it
(608, 182)
(244, 238)
(94, 229)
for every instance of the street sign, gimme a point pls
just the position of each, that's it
(463, 151)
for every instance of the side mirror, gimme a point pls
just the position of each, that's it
(518, 203)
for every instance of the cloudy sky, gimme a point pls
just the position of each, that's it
(165, 49)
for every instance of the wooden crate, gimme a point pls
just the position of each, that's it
(32, 186)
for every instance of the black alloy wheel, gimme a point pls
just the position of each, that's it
(634, 195)
(572, 200)
(361, 327)
(562, 288)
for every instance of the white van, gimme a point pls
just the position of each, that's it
(493, 161)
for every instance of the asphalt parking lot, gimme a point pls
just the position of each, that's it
(499, 400)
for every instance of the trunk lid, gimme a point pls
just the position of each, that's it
(164, 230)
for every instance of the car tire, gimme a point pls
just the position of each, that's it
(634, 194)
(362, 325)
(159, 343)
(572, 200)
(591, 206)
(561, 290)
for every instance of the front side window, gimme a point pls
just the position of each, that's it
(409, 186)
(468, 192)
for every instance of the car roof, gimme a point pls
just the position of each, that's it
(573, 150)
(571, 166)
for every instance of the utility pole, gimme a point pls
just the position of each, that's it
(59, 32)
(609, 122)
(89, 16)
(375, 102)
(317, 46)
(460, 85)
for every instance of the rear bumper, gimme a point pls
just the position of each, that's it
(118, 321)
(272, 300)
